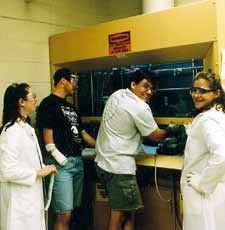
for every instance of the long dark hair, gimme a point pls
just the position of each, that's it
(11, 112)
(214, 84)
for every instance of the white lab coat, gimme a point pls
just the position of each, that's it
(205, 155)
(21, 192)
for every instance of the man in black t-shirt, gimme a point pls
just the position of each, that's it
(61, 134)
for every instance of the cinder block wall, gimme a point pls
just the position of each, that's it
(25, 29)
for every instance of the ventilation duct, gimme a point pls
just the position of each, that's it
(156, 5)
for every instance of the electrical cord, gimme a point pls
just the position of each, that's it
(175, 202)
(50, 189)
(174, 193)
(156, 184)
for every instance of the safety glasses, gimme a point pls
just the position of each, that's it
(74, 77)
(194, 90)
(31, 96)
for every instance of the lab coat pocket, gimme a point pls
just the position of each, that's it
(192, 201)
(23, 200)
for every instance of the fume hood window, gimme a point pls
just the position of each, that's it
(171, 99)
(172, 103)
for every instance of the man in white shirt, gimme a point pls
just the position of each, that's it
(126, 119)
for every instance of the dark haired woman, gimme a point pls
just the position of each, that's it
(21, 167)
(203, 176)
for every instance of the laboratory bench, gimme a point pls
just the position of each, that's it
(161, 211)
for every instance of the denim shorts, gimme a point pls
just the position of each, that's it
(122, 190)
(68, 185)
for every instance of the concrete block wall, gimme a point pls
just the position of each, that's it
(25, 28)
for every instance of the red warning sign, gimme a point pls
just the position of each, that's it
(119, 43)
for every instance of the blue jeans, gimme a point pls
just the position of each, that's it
(68, 185)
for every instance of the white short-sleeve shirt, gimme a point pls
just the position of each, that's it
(126, 118)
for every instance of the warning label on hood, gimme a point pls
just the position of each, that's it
(119, 43)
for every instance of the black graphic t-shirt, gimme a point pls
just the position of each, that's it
(59, 115)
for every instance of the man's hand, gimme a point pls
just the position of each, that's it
(174, 129)
(58, 156)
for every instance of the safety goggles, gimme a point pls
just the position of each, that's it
(194, 90)
(73, 79)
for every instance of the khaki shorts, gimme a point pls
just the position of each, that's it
(122, 190)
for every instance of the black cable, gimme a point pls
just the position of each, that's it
(175, 201)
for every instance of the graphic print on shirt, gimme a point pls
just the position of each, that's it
(72, 118)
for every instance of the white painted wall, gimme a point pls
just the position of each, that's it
(24, 32)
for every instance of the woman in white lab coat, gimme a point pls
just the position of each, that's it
(203, 176)
(21, 167)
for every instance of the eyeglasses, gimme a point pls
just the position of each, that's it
(199, 90)
(32, 96)
(74, 77)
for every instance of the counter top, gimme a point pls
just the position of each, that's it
(162, 161)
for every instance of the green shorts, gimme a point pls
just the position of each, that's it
(122, 190)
